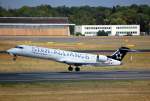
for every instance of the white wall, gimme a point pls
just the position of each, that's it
(91, 30)
(79, 29)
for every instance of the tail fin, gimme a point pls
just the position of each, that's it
(120, 53)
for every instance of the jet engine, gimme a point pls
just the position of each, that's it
(101, 58)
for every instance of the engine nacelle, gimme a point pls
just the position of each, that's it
(101, 58)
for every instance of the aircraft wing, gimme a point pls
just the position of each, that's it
(72, 62)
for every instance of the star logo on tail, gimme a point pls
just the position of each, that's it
(118, 55)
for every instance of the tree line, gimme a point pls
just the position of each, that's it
(133, 14)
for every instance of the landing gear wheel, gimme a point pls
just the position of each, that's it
(14, 57)
(77, 69)
(70, 68)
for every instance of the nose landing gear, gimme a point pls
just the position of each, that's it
(14, 57)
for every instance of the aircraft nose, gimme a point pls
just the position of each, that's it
(11, 51)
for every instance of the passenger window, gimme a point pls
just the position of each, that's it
(19, 47)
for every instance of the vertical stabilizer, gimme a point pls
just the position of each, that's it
(120, 53)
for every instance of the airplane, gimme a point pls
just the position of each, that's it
(69, 57)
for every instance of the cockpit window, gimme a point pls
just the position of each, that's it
(19, 47)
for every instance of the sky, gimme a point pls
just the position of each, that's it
(54, 3)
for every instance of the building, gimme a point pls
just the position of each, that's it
(48, 26)
(91, 30)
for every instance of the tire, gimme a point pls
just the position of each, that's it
(70, 68)
(77, 69)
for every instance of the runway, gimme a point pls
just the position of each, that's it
(63, 76)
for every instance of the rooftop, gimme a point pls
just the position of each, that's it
(34, 20)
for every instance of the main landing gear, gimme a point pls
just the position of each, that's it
(77, 69)
(70, 68)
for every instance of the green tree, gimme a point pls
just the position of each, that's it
(24, 11)
(117, 21)
(102, 33)
(78, 34)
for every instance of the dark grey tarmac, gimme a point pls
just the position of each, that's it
(60, 76)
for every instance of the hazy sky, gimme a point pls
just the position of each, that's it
(54, 3)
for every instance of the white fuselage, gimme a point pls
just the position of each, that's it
(62, 56)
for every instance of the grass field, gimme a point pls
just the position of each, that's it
(77, 91)
(83, 43)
